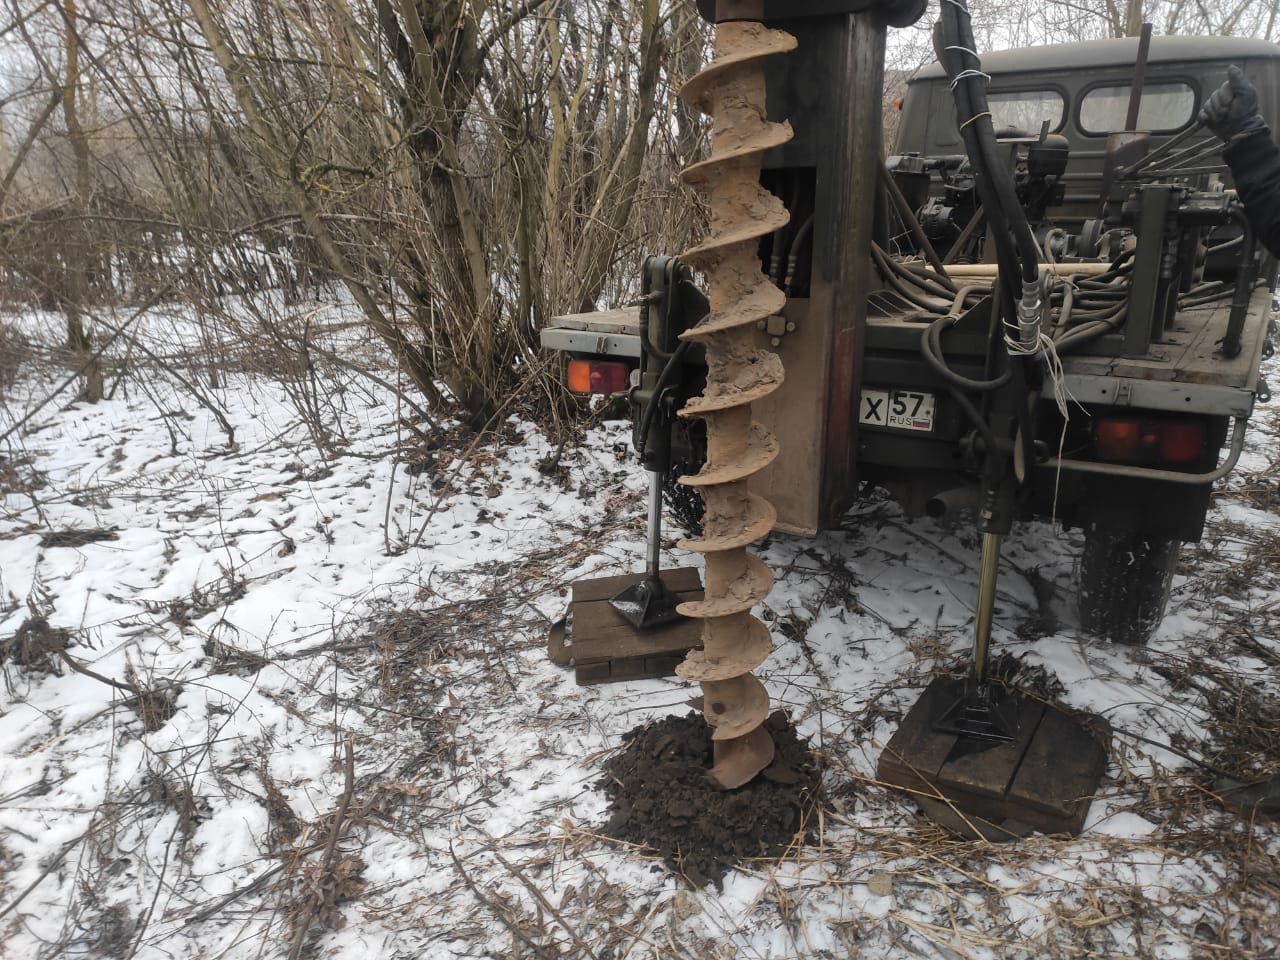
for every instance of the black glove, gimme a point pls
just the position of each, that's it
(1232, 111)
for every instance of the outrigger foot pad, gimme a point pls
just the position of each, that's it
(647, 604)
(997, 789)
(981, 711)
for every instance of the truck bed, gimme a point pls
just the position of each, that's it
(1184, 371)
(613, 332)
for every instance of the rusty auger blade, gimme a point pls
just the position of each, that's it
(740, 370)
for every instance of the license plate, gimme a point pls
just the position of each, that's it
(897, 410)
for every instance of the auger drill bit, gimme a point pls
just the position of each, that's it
(731, 89)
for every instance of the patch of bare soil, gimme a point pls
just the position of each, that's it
(661, 796)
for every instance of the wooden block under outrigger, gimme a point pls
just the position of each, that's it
(603, 647)
(1042, 780)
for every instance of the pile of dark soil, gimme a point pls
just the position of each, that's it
(661, 796)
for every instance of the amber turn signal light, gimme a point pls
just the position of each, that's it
(597, 376)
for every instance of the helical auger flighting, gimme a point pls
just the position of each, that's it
(740, 370)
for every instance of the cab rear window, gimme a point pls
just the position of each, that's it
(1165, 107)
(1027, 110)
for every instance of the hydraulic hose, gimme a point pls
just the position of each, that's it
(964, 67)
(793, 254)
(903, 282)
(931, 348)
(1246, 277)
(1084, 332)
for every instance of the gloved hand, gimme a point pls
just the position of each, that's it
(1232, 111)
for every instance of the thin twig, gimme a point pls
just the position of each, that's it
(54, 861)
(326, 862)
(538, 895)
(498, 911)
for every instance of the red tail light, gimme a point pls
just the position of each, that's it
(1148, 441)
(597, 376)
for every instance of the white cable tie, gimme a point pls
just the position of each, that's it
(966, 74)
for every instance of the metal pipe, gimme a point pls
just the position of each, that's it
(1171, 144)
(962, 241)
(949, 501)
(1139, 77)
(1171, 172)
(1192, 154)
(966, 271)
(986, 604)
(655, 524)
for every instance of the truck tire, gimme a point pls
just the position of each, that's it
(1124, 584)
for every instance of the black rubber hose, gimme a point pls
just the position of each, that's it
(1005, 252)
(1083, 333)
(909, 286)
(931, 347)
(793, 254)
(996, 219)
(978, 119)
(1246, 277)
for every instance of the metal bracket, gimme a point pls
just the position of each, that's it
(775, 328)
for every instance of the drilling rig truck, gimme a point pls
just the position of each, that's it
(1044, 302)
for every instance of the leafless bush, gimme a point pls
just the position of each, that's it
(465, 171)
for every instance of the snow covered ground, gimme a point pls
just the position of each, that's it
(304, 706)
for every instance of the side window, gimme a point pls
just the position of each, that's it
(1165, 107)
(943, 121)
(1027, 110)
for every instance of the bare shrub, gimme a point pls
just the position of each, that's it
(154, 702)
(36, 646)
